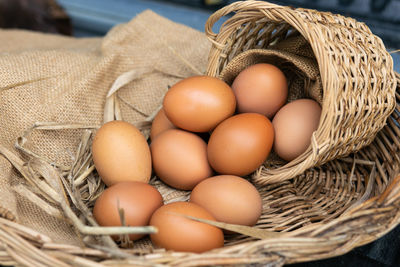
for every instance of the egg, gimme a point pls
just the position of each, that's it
(179, 233)
(229, 198)
(121, 153)
(160, 124)
(137, 199)
(261, 88)
(240, 144)
(199, 103)
(180, 158)
(294, 125)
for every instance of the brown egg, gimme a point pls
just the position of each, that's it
(240, 144)
(138, 200)
(121, 153)
(199, 103)
(178, 233)
(230, 199)
(160, 124)
(180, 159)
(261, 88)
(294, 124)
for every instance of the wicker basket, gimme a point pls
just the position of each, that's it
(358, 84)
(323, 212)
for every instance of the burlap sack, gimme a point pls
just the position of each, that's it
(61, 79)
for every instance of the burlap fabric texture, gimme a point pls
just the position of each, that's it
(61, 79)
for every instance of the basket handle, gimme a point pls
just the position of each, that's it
(234, 7)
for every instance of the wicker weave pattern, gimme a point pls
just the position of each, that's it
(356, 73)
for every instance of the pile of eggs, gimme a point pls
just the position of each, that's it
(206, 138)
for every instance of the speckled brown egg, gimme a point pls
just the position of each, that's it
(294, 125)
(137, 199)
(199, 103)
(240, 144)
(229, 198)
(121, 153)
(160, 124)
(261, 88)
(178, 233)
(180, 159)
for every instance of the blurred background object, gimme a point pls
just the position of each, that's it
(96, 17)
(37, 15)
(382, 16)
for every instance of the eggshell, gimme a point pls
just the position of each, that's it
(199, 103)
(121, 153)
(160, 124)
(261, 88)
(180, 159)
(178, 233)
(230, 199)
(240, 144)
(294, 124)
(138, 200)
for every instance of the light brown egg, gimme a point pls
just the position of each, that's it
(121, 153)
(180, 159)
(137, 199)
(199, 103)
(178, 233)
(261, 88)
(160, 124)
(240, 144)
(230, 199)
(294, 124)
